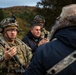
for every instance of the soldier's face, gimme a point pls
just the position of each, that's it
(11, 34)
(36, 31)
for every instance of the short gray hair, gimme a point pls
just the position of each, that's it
(68, 10)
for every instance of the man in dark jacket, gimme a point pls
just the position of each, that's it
(33, 38)
(62, 44)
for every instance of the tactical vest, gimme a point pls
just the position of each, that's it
(21, 54)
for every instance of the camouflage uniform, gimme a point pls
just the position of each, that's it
(44, 32)
(23, 53)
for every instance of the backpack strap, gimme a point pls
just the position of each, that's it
(62, 64)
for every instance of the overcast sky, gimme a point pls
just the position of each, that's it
(10, 3)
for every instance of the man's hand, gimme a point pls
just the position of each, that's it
(8, 54)
(43, 41)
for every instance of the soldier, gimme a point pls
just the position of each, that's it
(15, 56)
(40, 19)
(58, 57)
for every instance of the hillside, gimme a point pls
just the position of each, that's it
(23, 14)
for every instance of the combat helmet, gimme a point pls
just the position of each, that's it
(39, 18)
(7, 22)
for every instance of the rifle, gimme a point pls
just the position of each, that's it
(22, 68)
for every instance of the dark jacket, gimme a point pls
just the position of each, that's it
(51, 53)
(31, 41)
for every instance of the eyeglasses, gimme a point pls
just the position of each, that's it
(10, 30)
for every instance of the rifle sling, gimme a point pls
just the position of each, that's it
(62, 64)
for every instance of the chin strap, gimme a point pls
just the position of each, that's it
(62, 64)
